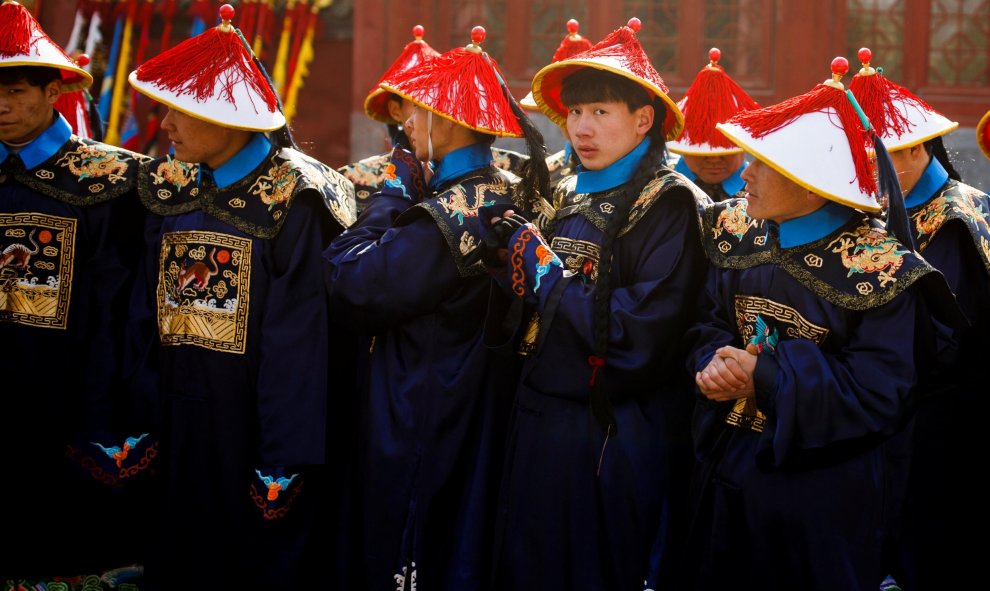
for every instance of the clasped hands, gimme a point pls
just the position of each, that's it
(728, 376)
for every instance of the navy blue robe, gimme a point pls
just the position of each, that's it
(793, 487)
(69, 238)
(245, 353)
(431, 424)
(561, 523)
(950, 224)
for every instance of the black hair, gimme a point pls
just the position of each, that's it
(936, 148)
(592, 85)
(535, 183)
(39, 76)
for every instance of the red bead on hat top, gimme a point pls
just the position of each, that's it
(840, 66)
(635, 24)
(714, 54)
(227, 12)
(83, 60)
(478, 34)
(573, 26)
(865, 55)
(418, 32)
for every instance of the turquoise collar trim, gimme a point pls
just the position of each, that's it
(42, 147)
(243, 163)
(815, 225)
(460, 162)
(731, 185)
(930, 182)
(615, 174)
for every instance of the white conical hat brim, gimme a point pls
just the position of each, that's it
(44, 53)
(925, 125)
(248, 111)
(812, 151)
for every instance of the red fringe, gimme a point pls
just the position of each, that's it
(17, 28)
(570, 47)
(877, 95)
(461, 84)
(762, 122)
(622, 45)
(713, 98)
(195, 67)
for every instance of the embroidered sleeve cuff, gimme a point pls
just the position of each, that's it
(534, 266)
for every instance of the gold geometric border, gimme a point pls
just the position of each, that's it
(66, 229)
(210, 329)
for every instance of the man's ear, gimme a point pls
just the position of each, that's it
(644, 119)
(52, 90)
(395, 111)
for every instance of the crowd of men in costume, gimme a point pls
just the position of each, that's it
(639, 364)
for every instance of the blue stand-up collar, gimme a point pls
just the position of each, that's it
(732, 185)
(815, 225)
(613, 175)
(42, 147)
(460, 162)
(931, 181)
(243, 162)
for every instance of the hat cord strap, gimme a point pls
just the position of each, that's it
(429, 135)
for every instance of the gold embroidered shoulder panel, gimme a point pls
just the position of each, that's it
(956, 201)
(455, 211)
(367, 176)
(858, 267)
(258, 203)
(82, 172)
(597, 208)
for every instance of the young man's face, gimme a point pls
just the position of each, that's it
(195, 140)
(714, 169)
(772, 196)
(603, 132)
(26, 110)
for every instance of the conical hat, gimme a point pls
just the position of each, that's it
(24, 43)
(463, 85)
(901, 118)
(619, 53)
(983, 134)
(571, 45)
(713, 97)
(816, 139)
(213, 77)
(415, 52)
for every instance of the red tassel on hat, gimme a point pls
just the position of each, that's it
(877, 96)
(713, 98)
(16, 30)
(828, 95)
(413, 54)
(195, 66)
(572, 44)
(462, 85)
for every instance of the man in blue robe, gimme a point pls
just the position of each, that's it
(432, 421)
(598, 457)
(813, 336)
(69, 239)
(950, 224)
(251, 370)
